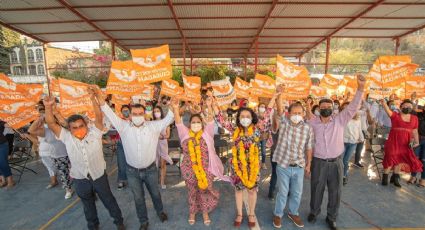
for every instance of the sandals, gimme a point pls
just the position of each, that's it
(207, 220)
(251, 224)
(191, 221)
(412, 180)
(421, 184)
(237, 224)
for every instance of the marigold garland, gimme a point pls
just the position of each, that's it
(194, 148)
(248, 178)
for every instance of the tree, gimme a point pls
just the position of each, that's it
(8, 39)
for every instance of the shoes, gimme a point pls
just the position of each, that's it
(237, 224)
(331, 224)
(392, 178)
(68, 194)
(120, 227)
(311, 218)
(358, 165)
(144, 226)
(344, 181)
(163, 217)
(251, 224)
(121, 186)
(297, 220)
(277, 222)
(163, 187)
(385, 179)
(397, 180)
(49, 186)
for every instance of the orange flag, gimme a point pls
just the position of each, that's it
(415, 84)
(171, 88)
(148, 92)
(34, 91)
(241, 88)
(264, 84)
(153, 64)
(295, 78)
(395, 69)
(318, 91)
(223, 91)
(192, 88)
(9, 90)
(18, 113)
(329, 81)
(74, 98)
(54, 85)
(123, 80)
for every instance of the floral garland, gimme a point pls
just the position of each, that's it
(195, 156)
(248, 178)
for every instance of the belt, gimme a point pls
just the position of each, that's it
(143, 169)
(294, 165)
(328, 159)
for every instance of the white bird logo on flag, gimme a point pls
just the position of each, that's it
(288, 71)
(123, 75)
(148, 62)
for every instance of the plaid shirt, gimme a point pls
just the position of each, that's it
(293, 142)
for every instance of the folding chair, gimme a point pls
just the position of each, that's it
(21, 154)
(377, 152)
(110, 144)
(175, 152)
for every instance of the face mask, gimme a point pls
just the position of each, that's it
(406, 110)
(138, 120)
(261, 109)
(164, 102)
(245, 122)
(80, 133)
(296, 118)
(126, 113)
(317, 112)
(336, 106)
(157, 115)
(196, 127)
(325, 112)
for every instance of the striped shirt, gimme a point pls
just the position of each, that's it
(293, 142)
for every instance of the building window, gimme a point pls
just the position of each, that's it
(14, 57)
(17, 70)
(32, 70)
(40, 70)
(30, 56)
(39, 54)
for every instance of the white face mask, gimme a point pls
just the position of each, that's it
(196, 127)
(245, 122)
(296, 118)
(157, 115)
(138, 120)
(261, 109)
(317, 113)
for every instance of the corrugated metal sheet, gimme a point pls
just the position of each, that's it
(93, 36)
(109, 2)
(150, 34)
(305, 32)
(157, 41)
(221, 10)
(267, 39)
(131, 25)
(220, 23)
(8, 4)
(46, 28)
(219, 33)
(126, 12)
(377, 33)
(37, 16)
(317, 10)
(305, 22)
(385, 23)
(397, 11)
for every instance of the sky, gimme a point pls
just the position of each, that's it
(82, 46)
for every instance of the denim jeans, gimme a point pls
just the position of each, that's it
(4, 163)
(289, 180)
(263, 150)
(349, 149)
(85, 189)
(420, 153)
(121, 162)
(358, 155)
(148, 177)
(273, 180)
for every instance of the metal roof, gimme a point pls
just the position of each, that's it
(214, 28)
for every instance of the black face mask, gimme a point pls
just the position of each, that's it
(325, 112)
(406, 110)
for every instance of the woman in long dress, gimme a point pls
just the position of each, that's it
(200, 163)
(162, 150)
(403, 138)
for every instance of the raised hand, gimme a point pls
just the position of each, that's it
(361, 81)
(280, 88)
(48, 101)
(175, 104)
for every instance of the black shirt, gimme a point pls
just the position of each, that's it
(421, 126)
(2, 137)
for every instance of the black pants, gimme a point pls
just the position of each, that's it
(326, 174)
(273, 178)
(10, 138)
(84, 189)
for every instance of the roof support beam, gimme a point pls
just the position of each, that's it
(410, 31)
(7, 25)
(365, 11)
(88, 21)
(176, 20)
(397, 46)
(263, 25)
(328, 46)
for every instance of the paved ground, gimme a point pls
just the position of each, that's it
(365, 205)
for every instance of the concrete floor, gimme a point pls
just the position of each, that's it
(365, 205)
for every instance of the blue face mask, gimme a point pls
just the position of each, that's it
(393, 107)
(126, 113)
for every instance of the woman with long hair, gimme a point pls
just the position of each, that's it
(162, 149)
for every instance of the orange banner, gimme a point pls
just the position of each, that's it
(241, 88)
(318, 91)
(295, 78)
(329, 81)
(123, 80)
(415, 84)
(395, 69)
(34, 91)
(120, 100)
(192, 88)
(148, 92)
(285, 70)
(9, 90)
(223, 91)
(74, 98)
(54, 85)
(153, 64)
(171, 88)
(18, 113)
(265, 83)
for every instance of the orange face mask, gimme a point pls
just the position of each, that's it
(80, 133)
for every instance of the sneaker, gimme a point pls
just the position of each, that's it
(163, 217)
(49, 186)
(163, 186)
(68, 194)
(358, 165)
(277, 222)
(121, 186)
(297, 220)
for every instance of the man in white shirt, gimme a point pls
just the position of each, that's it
(140, 139)
(85, 151)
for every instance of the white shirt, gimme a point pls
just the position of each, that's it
(57, 148)
(139, 143)
(8, 131)
(86, 155)
(353, 132)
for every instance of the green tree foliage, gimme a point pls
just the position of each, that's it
(8, 39)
